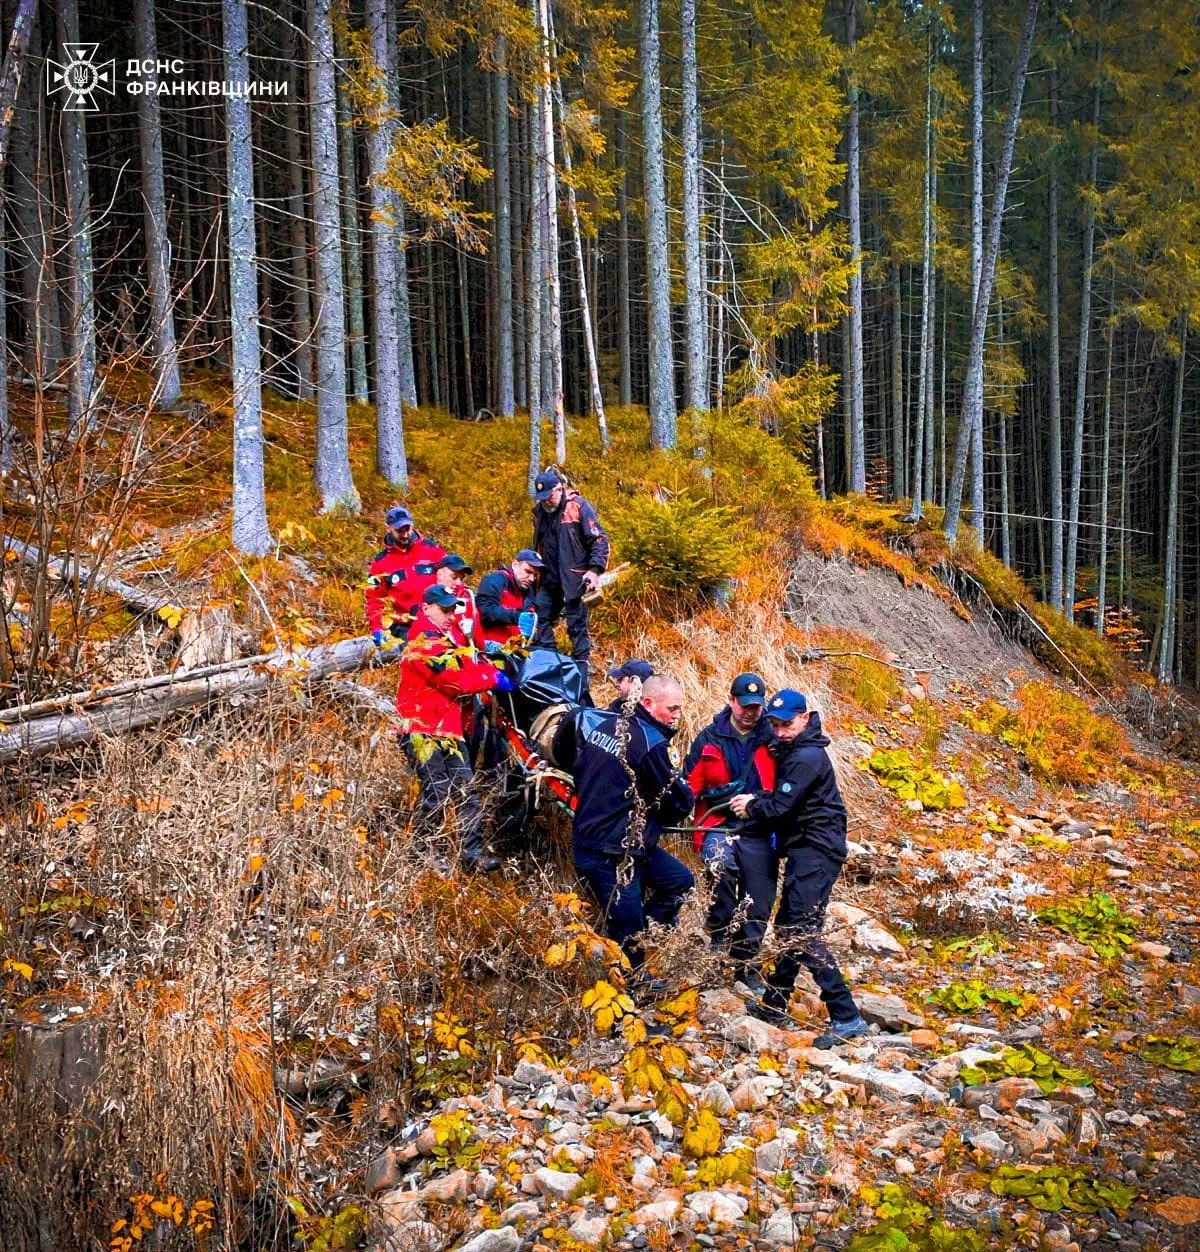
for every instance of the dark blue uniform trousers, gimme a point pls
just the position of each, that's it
(655, 892)
(550, 606)
(808, 880)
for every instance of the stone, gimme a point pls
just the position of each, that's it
(1180, 1210)
(532, 1074)
(768, 1157)
(871, 937)
(454, 1188)
(846, 914)
(384, 1172)
(570, 1132)
(718, 1208)
(523, 1210)
(891, 1084)
(753, 1094)
(1090, 1128)
(485, 1184)
(714, 1096)
(751, 1035)
(1155, 951)
(502, 1239)
(1010, 1090)
(781, 1229)
(590, 1230)
(655, 1214)
(888, 1011)
(427, 1141)
(398, 1206)
(926, 1039)
(1028, 1140)
(413, 1237)
(986, 1141)
(555, 1182)
(1189, 996)
(901, 1136)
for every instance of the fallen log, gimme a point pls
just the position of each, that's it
(151, 701)
(67, 570)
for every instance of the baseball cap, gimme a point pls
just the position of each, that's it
(440, 596)
(455, 562)
(531, 557)
(545, 483)
(749, 689)
(785, 704)
(635, 667)
(398, 516)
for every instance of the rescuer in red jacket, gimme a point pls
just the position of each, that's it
(452, 571)
(505, 598)
(439, 672)
(399, 574)
(730, 755)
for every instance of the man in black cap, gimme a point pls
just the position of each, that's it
(625, 674)
(731, 755)
(575, 549)
(805, 809)
(505, 598)
(451, 573)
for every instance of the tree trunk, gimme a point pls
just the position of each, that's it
(408, 373)
(1170, 613)
(1102, 575)
(899, 452)
(658, 276)
(973, 390)
(932, 327)
(534, 285)
(624, 359)
(297, 202)
(390, 457)
(977, 445)
(503, 236)
(518, 171)
(332, 470)
(356, 315)
(858, 464)
(696, 369)
(1085, 319)
(1005, 529)
(251, 533)
(83, 388)
(920, 470)
(162, 316)
(1055, 471)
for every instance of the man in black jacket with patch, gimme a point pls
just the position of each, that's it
(627, 792)
(575, 549)
(806, 810)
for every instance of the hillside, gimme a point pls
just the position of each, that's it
(241, 1010)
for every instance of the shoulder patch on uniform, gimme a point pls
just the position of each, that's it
(785, 787)
(572, 511)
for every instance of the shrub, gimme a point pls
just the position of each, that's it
(683, 546)
(1099, 921)
(896, 770)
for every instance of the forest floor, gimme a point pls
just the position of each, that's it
(266, 1021)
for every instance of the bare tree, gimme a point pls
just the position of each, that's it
(858, 461)
(503, 236)
(696, 367)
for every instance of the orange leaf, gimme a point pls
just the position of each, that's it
(1180, 1210)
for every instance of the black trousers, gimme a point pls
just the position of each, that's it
(446, 778)
(808, 880)
(550, 606)
(753, 876)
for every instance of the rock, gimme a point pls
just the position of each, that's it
(484, 1185)
(555, 1182)
(1180, 1210)
(1155, 951)
(427, 1141)
(532, 1074)
(655, 1214)
(503, 1239)
(1010, 1090)
(888, 1011)
(781, 1229)
(986, 1141)
(945, 1069)
(398, 1206)
(1028, 1140)
(871, 937)
(718, 1006)
(714, 1096)
(570, 1132)
(589, 1230)
(846, 914)
(924, 1039)
(891, 1084)
(384, 1172)
(452, 1189)
(901, 1136)
(1078, 830)
(753, 1036)
(413, 1237)
(1189, 996)
(768, 1157)
(718, 1208)
(754, 1094)
(1091, 1127)
(523, 1210)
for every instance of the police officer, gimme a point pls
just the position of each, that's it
(399, 574)
(731, 755)
(575, 549)
(805, 808)
(505, 598)
(625, 674)
(615, 836)
(439, 673)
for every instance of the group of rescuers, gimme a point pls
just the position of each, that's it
(757, 778)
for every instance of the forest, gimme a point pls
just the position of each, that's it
(869, 329)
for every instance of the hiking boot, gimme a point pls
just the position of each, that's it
(841, 1032)
(481, 864)
(750, 982)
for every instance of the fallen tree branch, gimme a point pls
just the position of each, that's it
(68, 570)
(153, 700)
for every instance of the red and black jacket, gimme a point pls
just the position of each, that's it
(399, 577)
(719, 756)
(501, 601)
(571, 541)
(438, 669)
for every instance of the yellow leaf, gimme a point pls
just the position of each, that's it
(171, 614)
(634, 1029)
(556, 954)
(299, 800)
(257, 861)
(604, 1020)
(19, 967)
(702, 1134)
(314, 935)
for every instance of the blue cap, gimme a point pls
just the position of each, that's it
(785, 704)
(398, 516)
(455, 562)
(635, 667)
(545, 483)
(440, 596)
(531, 557)
(749, 689)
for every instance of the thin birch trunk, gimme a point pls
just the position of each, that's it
(920, 470)
(658, 275)
(932, 327)
(624, 355)
(553, 293)
(251, 532)
(1055, 471)
(298, 230)
(1102, 576)
(355, 308)
(858, 464)
(517, 177)
(973, 391)
(332, 469)
(534, 302)
(404, 332)
(977, 446)
(899, 452)
(696, 370)
(1170, 612)
(505, 398)
(1005, 529)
